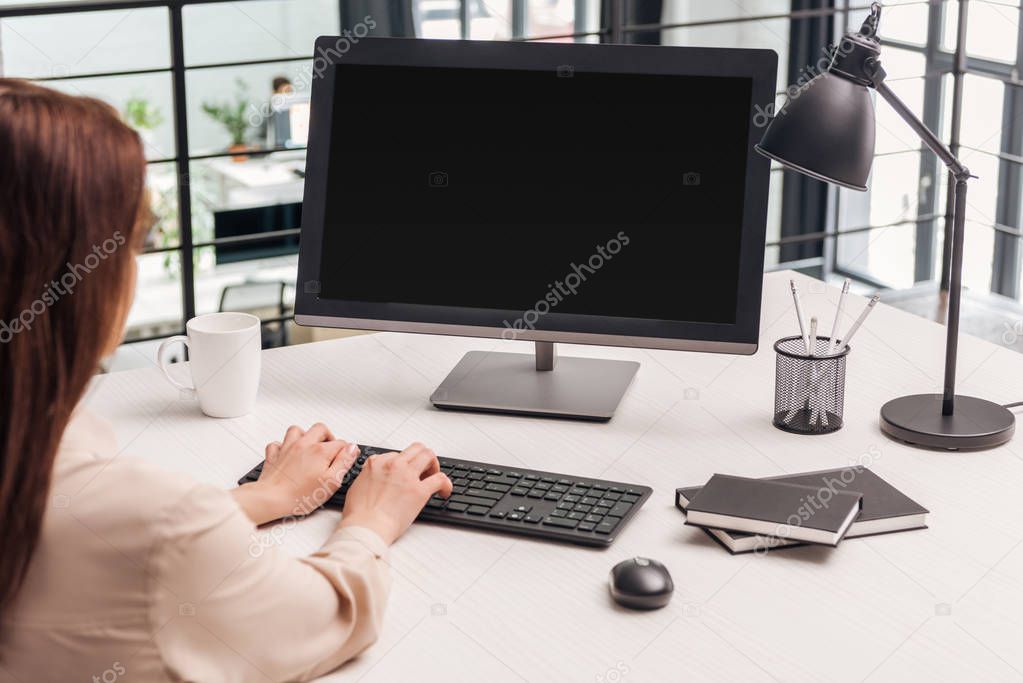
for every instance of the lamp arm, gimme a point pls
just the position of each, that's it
(961, 175)
(929, 138)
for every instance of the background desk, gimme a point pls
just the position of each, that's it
(940, 604)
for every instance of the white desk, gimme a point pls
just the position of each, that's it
(940, 604)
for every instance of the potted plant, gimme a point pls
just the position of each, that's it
(233, 117)
(141, 115)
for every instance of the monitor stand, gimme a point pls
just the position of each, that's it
(521, 384)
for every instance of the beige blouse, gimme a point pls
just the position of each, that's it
(148, 575)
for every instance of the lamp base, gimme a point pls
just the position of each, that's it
(976, 424)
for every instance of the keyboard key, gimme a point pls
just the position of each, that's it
(565, 506)
(576, 515)
(616, 489)
(559, 488)
(462, 481)
(514, 516)
(508, 481)
(620, 509)
(593, 518)
(476, 475)
(532, 518)
(473, 500)
(582, 508)
(460, 473)
(599, 487)
(436, 503)
(458, 489)
(498, 514)
(549, 480)
(536, 493)
(477, 468)
(561, 522)
(552, 496)
(604, 528)
(531, 477)
(571, 499)
(559, 513)
(542, 485)
(611, 495)
(523, 509)
(500, 488)
(477, 510)
(457, 507)
(605, 503)
(586, 526)
(518, 491)
(495, 473)
(588, 500)
(480, 493)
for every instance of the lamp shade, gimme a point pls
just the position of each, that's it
(825, 131)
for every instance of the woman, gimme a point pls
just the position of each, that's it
(110, 567)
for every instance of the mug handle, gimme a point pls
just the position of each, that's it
(161, 361)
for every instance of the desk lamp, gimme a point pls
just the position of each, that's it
(826, 131)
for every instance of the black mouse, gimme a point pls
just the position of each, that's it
(641, 583)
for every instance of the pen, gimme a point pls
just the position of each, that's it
(812, 345)
(833, 339)
(799, 315)
(859, 321)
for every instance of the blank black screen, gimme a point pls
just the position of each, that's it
(486, 188)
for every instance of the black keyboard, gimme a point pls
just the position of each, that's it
(559, 507)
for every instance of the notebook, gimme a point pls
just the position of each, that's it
(885, 509)
(772, 508)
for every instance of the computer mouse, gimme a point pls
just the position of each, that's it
(641, 583)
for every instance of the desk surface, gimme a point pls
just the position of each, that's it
(944, 603)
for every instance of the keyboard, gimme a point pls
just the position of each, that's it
(558, 507)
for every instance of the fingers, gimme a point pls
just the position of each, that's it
(336, 471)
(424, 462)
(273, 449)
(318, 432)
(330, 449)
(345, 457)
(293, 434)
(437, 483)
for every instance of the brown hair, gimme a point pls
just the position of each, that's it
(72, 190)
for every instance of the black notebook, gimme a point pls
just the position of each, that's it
(885, 509)
(812, 514)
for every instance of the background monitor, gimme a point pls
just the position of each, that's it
(289, 121)
(247, 221)
(590, 194)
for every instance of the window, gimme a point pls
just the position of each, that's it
(196, 79)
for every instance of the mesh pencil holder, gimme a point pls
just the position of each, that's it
(809, 391)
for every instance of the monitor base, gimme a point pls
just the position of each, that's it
(976, 424)
(521, 384)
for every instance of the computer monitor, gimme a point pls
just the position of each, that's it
(241, 222)
(588, 194)
(289, 120)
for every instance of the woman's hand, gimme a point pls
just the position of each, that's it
(300, 474)
(392, 489)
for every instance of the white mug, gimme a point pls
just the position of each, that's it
(224, 358)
